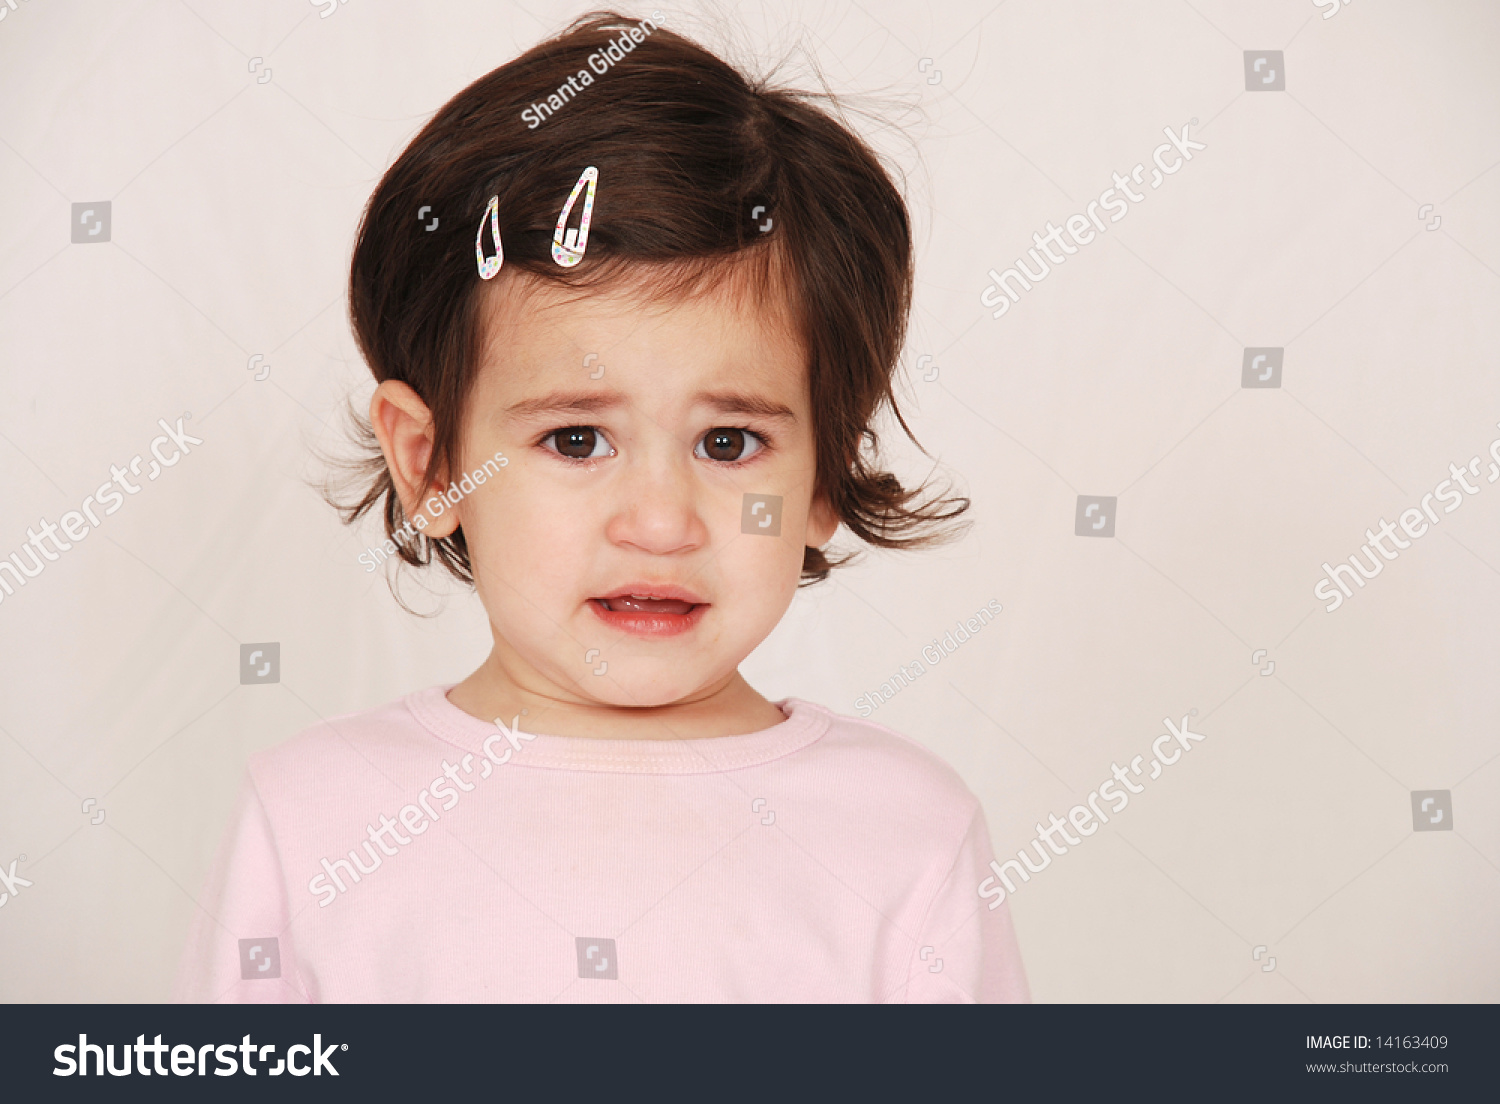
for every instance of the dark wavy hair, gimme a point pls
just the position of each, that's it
(687, 149)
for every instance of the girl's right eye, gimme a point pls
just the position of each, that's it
(578, 443)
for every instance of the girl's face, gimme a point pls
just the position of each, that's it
(648, 530)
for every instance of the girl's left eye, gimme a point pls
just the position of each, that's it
(728, 444)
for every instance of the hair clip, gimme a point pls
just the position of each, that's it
(570, 251)
(488, 267)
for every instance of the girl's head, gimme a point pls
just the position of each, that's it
(686, 414)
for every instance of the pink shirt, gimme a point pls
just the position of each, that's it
(822, 859)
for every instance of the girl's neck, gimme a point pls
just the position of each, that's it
(732, 708)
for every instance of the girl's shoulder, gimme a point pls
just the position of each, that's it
(337, 750)
(879, 761)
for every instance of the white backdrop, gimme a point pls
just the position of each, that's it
(1345, 211)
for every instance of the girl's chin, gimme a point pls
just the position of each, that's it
(646, 682)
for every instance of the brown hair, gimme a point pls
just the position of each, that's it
(687, 148)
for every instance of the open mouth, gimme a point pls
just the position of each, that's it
(645, 610)
(641, 603)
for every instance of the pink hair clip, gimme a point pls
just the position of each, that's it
(488, 267)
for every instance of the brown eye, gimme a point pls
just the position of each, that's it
(728, 444)
(578, 443)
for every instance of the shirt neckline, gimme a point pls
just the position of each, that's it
(805, 723)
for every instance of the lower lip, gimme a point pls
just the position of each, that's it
(654, 625)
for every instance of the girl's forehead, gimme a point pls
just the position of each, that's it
(531, 313)
(623, 348)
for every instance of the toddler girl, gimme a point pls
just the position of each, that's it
(626, 390)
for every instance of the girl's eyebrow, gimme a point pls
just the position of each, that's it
(589, 402)
(736, 402)
(566, 402)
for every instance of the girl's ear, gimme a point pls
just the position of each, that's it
(822, 521)
(403, 425)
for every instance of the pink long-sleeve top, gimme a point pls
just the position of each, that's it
(415, 853)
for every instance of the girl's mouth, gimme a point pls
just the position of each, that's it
(639, 603)
(650, 611)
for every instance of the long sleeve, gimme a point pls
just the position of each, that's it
(973, 956)
(245, 900)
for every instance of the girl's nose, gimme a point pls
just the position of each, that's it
(657, 511)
